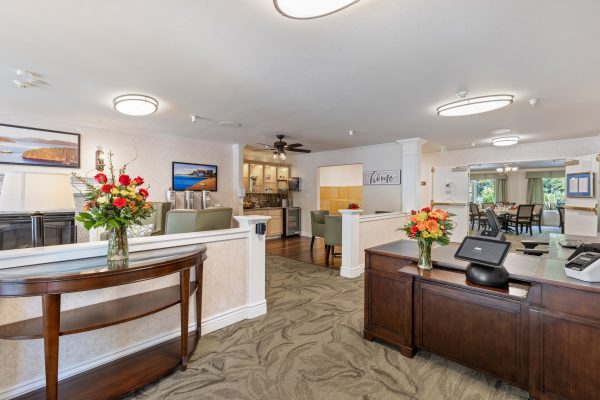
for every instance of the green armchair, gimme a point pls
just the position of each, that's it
(183, 221)
(317, 225)
(333, 234)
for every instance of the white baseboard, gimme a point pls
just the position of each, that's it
(355, 272)
(209, 325)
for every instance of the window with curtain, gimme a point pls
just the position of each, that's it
(546, 187)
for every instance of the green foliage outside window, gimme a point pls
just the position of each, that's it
(484, 192)
(554, 192)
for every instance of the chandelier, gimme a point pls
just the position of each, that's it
(506, 170)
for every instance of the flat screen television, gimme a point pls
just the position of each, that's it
(196, 177)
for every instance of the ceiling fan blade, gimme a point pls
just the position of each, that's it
(294, 145)
(299, 150)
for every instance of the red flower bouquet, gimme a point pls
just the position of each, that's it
(114, 203)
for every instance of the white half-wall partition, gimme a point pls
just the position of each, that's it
(359, 232)
(233, 290)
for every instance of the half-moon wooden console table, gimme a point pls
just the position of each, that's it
(126, 374)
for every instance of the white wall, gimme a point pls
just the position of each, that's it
(559, 149)
(154, 157)
(341, 175)
(375, 197)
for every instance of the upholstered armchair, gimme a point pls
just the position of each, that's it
(183, 221)
(317, 225)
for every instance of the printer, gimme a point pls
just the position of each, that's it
(584, 263)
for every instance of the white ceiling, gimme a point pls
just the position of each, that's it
(380, 67)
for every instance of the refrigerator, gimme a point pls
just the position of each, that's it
(291, 221)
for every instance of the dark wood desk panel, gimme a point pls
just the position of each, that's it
(541, 333)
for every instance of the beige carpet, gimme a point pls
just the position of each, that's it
(310, 346)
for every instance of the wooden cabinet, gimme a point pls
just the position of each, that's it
(263, 177)
(274, 224)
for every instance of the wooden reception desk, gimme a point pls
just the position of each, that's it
(542, 333)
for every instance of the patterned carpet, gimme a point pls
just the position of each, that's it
(310, 346)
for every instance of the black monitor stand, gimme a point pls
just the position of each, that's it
(486, 275)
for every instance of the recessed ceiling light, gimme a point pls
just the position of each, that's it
(505, 140)
(475, 105)
(135, 104)
(308, 9)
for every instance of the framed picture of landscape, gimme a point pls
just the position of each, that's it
(195, 177)
(42, 147)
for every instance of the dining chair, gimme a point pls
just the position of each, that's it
(561, 215)
(317, 225)
(538, 210)
(477, 216)
(333, 235)
(523, 218)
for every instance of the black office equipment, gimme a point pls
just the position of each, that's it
(486, 257)
(585, 247)
(495, 228)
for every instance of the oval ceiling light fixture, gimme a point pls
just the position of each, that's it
(505, 140)
(475, 105)
(135, 104)
(309, 9)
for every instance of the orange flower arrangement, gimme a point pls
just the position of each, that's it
(430, 225)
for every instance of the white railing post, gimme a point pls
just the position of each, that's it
(350, 244)
(257, 304)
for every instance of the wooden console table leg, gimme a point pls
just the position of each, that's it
(199, 299)
(184, 289)
(51, 321)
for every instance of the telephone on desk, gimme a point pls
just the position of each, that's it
(584, 263)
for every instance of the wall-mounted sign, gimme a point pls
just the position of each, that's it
(580, 184)
(390, 177)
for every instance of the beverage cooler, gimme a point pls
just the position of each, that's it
(291, 221)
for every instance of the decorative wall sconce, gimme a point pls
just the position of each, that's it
(100, 159)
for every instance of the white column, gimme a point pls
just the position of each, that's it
(237, 176)
(351, 267)
(256, 304)
(412, 150)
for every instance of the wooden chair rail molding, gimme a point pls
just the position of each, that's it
(578, 208)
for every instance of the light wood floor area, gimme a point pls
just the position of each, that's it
(298, 248)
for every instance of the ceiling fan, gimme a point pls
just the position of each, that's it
(280, 147)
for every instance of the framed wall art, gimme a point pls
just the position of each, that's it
(197, 177)
(23, 145)
(580, 184)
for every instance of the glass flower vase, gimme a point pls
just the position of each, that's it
(118, 247)
(425, 254)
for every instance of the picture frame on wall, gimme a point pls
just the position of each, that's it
(581, 184)
(195, 177)
(22, 145)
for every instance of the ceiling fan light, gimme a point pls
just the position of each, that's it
(475, 105)
(500, 170)
(505, 140)
(283, 156)
(308, 9)
(135, 104)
